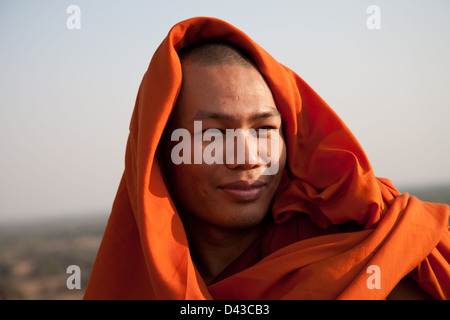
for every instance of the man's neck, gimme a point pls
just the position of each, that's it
(213, 248)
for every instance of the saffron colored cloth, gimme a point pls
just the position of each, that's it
(307, 252)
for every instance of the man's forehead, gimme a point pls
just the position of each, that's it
(263, 112)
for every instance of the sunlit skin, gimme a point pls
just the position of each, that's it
(223, 206)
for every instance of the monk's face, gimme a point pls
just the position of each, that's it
(234, 195)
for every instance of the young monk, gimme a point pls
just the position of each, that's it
(293, 212)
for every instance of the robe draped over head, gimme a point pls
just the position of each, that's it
(328, 180)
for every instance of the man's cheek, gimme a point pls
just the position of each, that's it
(271, 152)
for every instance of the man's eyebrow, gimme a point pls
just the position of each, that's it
(204, 114)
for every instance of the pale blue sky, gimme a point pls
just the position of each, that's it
(67, 95)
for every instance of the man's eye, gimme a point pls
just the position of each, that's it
(266, 128)
(214, 130)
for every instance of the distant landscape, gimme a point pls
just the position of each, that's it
(34, 257)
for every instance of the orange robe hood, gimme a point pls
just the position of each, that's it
(144, 253)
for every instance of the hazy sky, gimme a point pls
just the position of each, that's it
(67, 95)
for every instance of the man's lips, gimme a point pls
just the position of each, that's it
(243, 190)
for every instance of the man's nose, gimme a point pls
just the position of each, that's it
(244, 152)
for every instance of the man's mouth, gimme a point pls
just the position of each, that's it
(243, 190)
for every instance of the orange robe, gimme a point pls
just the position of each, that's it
(332, 218)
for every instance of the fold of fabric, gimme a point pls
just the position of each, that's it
(144, 253)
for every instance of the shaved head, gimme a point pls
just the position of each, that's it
(211, 53)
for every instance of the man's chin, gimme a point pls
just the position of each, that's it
(242, 218)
